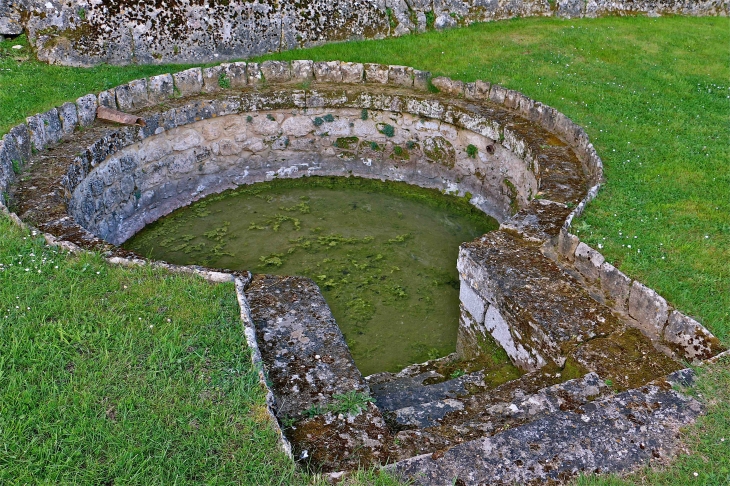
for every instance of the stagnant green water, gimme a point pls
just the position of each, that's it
(383, 253)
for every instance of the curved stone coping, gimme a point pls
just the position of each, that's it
(488, 110)
(88, 32)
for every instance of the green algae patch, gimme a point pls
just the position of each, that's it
(383, 254)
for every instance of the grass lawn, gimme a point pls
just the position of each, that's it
(653, 95)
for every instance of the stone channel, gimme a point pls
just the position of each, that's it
(601, 354)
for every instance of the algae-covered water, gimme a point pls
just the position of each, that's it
(383, 253)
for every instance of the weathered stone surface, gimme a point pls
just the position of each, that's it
(132, 96)
(421, 79)
(254, 77)
(617, 434)
(18, 144)
(302, 70)
(327, 71)
(567, 244)
(309, 366)
(616, 287)
(45, 128)
(108, 98)
(189, 82)
(628, 359)
(236, 74)
(376, 73)
(537, 313)
(588, 261)
(161, 88)
(69, 118)
(449, 86)
(648, 308)
(152, 34)
(400, 75)
(472, 302)
(212, 79)
(276, 71)
(86, 108)
(538, 221)
(690, 339)
(337, 442)
(352, 72)
(305, 353)
(478, 90)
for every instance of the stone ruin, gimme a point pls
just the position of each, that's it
(602, 355)
(90, 32)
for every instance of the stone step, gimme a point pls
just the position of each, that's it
(442, 424)
(410, 391)
(615, 433)
(313, 377)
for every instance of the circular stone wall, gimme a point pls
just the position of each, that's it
(540, 292)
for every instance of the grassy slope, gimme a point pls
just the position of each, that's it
(653, 96)
(124, 376)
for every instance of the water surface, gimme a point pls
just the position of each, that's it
(383, 253)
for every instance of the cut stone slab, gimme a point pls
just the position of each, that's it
(309, 365)
(616, 434)
(305, 353)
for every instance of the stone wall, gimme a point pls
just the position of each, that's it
(88, 32)
(148, 179)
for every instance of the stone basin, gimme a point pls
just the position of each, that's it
(600, 352)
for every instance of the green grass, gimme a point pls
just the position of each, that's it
(130, 376)
(653, 96)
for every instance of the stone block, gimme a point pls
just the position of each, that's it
(400, 76)
(236, 74)
(297, 126)
(86, 109)
(160, 88)
(588, 261)
(352, 72)
(616, 287)
(648, 308)
(18, 144)
(448, 86)
(276, 71)
(69, 117)
(108, 98)
(690, 338)
(52, 124)
(327, 72)
(253, 74)
(302, 70)
(478, 90)
(189, 82)
(497, 94)
(421, 79)
(37, 132)
(472, 302)
(567, 244)
(212, 79)
(376, 73)
(132, 96)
